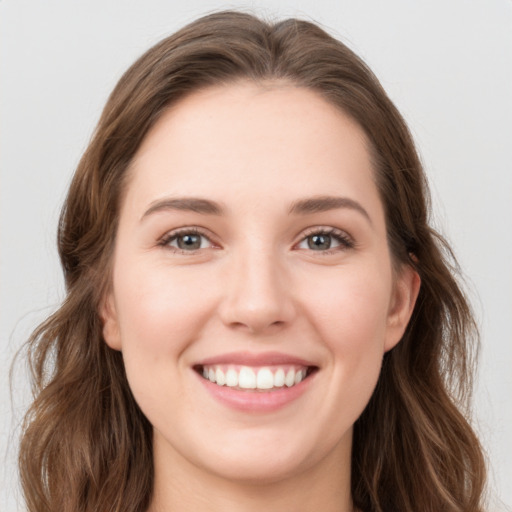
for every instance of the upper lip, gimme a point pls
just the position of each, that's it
(255, 359)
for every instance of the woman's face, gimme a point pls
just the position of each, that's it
(253, 294)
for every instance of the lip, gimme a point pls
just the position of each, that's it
(256, 401)
(255, 359)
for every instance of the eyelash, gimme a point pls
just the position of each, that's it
(344, 240)
(173, 235)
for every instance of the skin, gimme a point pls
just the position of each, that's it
(254, 285)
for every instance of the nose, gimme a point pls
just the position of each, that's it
(258, 296)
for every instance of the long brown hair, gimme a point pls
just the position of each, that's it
(86, 445)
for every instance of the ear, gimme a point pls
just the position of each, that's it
(406, 290)
(108, 315)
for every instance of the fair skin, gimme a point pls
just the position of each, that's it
(262, 275)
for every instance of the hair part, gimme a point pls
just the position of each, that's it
(87, 446)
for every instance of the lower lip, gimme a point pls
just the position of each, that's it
(256, 401)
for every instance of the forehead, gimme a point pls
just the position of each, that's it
(246, 140)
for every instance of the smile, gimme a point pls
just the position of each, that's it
(256, 383)
(266, 378)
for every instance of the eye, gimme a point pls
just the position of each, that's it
(186, 240)
(326, 240)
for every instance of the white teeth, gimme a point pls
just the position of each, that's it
(279, 378)
(265, 379)
(219, 377)
(289, 380)
(231, 378)
(246, 377)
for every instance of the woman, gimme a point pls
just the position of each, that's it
(258, 313)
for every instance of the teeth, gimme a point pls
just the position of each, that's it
(279, 378)
(265, 379)
(289, 380)
(245, 377)
(219, 377)
(232, 378)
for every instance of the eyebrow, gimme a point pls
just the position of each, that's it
(326, 203)
(300, 207)
(191, 204)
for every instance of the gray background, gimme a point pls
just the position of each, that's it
(446, 63)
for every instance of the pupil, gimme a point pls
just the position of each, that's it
(189, 242)
(319, 242)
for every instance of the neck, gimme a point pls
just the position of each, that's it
(181, 486)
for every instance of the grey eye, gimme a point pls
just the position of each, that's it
(189, 242)
(325, 241)
(319, 242)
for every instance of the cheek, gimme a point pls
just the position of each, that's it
(160, 310)
(350, 313)
(350, 305)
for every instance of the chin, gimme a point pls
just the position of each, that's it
(261, 470)
(268, 456)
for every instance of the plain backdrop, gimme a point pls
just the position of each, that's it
(447, 64)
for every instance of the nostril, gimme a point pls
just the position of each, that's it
(257, 325)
